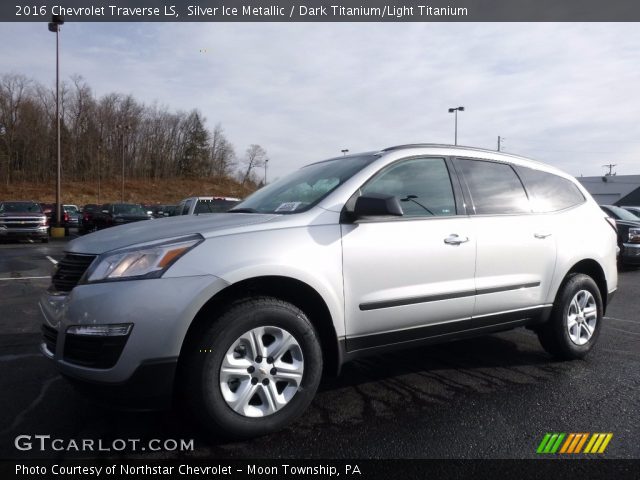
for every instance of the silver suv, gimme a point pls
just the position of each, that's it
(241, 312)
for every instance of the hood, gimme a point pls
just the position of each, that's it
(211, 224)
(628, 223)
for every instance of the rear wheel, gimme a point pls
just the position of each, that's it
(576, 319)
(255, 369)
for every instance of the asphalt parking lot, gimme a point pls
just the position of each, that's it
(491, 397)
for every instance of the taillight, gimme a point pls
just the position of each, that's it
(66, 217)
(634, 235)
(85, 216)
(612, 222)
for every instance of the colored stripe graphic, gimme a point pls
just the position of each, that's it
(572, 443)
(598, 443)
(581, 443)
(550, 443)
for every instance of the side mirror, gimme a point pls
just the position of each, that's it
(377, 205)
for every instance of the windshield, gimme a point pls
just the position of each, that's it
(20, 207)
(125, 209)
(623, 214)
(304, 188)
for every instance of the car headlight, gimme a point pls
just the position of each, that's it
(140, 261)
(634, 235)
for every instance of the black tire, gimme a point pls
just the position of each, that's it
(207, 353)
(554, 334)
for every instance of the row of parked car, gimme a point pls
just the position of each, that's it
(627, 221)
(29, 219)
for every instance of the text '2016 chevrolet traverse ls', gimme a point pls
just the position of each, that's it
(240, 312)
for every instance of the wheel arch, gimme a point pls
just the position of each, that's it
(294, 291)
(594, 270)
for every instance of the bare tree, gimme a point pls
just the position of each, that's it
(222, 153)
(255, 157)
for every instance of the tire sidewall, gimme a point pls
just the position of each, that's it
(217, 341)
(573, 285)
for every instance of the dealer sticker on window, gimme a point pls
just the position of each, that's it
(288, 206)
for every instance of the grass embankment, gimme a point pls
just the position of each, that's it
(166, 191)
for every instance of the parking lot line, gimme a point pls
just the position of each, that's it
(620, 320)
(55, 262)
(25, 278)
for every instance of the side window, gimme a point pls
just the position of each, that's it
(204, 206)
(549, 192)
(422, 185)
(187, 206)
(495, 188)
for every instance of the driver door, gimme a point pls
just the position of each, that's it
(403, 275)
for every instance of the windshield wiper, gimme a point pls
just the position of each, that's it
(243, 210)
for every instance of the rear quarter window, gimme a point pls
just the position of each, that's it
(549, 192)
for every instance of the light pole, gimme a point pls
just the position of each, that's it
(54, 26)
(344, 151)
(3, 131)
(99, 168)
(266, 162)
(123, 128)
(456, 110)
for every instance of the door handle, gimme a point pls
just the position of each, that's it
(455, 239)
(541, 235)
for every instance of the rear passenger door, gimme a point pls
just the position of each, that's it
(516, 249)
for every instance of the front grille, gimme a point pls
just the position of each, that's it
(50, 337)
(22, 224)
(93, 351)
(69, 271)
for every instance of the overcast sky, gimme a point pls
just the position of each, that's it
(567, 94)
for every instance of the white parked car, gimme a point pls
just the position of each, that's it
(198, 205)
(242, 312)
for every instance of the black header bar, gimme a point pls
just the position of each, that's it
(322, 10)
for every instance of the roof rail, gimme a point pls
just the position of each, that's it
(459, 147)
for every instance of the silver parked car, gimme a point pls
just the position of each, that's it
(242, 312)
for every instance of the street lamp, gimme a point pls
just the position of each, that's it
(54, 26)
(99, 168)
(266, 162)
(123, 128)
(344, 151)
(456, 110)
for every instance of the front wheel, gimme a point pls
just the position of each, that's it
(255, 369)
(576, 319)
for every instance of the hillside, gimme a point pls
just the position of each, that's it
(168, 191)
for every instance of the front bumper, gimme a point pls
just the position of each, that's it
(38, 232)
(160, 312)
(630, 253)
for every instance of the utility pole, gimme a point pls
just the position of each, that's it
(500, 139)
(344, 151)
(610, 166)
